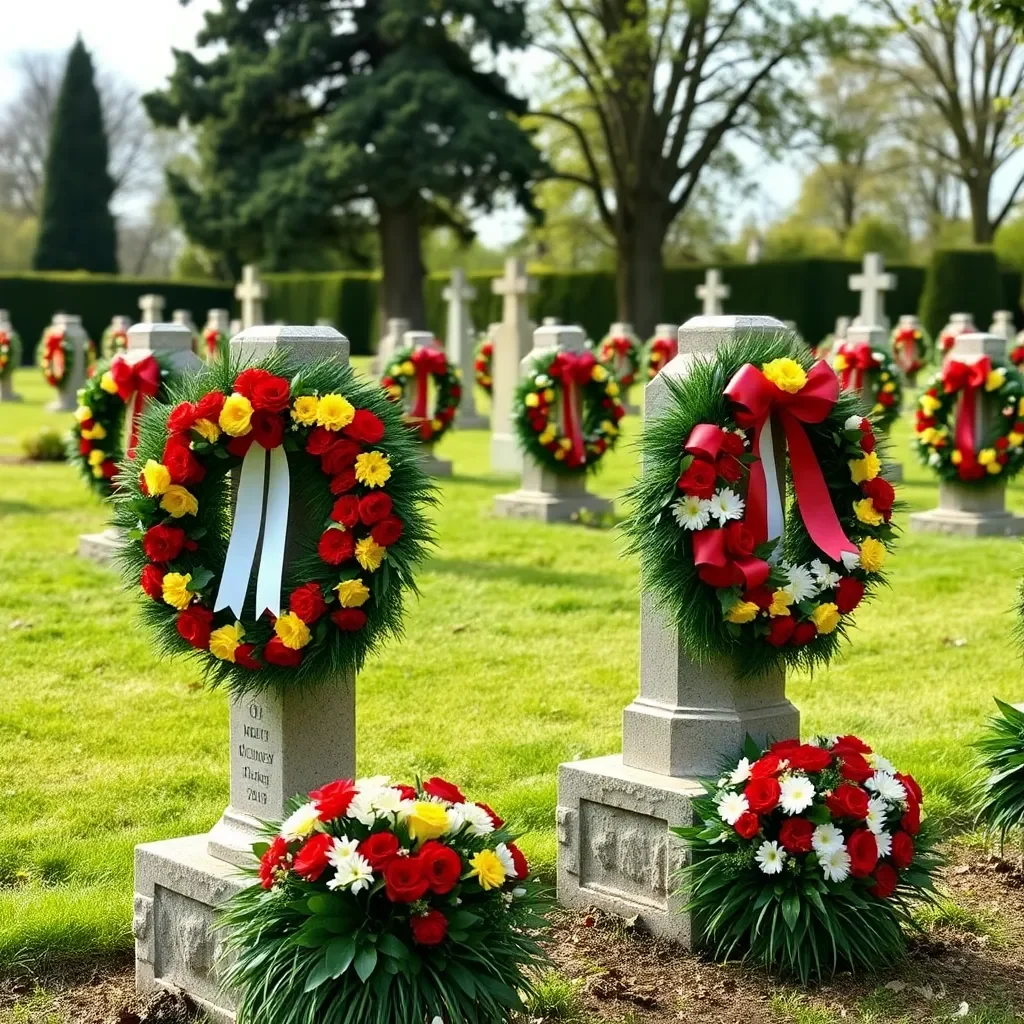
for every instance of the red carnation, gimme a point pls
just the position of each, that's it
(732, 443)
(808, 758)
(519, 862)
(311, 861)
(307, 602)
(84, 447)
(365, 426)
(763, 795)
(374, 507)
(277, 654)
(881, 494)
(781, 630)
(239, 446)
(911, 786)
(886, 398)
(442, 867)
(804, 633)
(761, 596)
(349, 620)
(739, 541)
(209, 406)
(496, 820)
(267, 429)
(270, 394)
(332, 800)
(109, 469)
(885, 881)
(747, 825)
(408, 793)
(848, 801)
(429, 929)
(902, 850)
(784, 747)
(854, 743)
(849, 594)
(341, 455)
(244, 657)
(387, 531)
(274, 858)
(443, 790)
(863, 850)
(152, 581)
(182, 417)
(336, 546)
(795, 835)
(699, 479)
(854, 767)
(319, 440)
(194, 625)
(343, 482)
(163, 543)
(380, 849)
(346, 511)
(180, 461)
(404, 881)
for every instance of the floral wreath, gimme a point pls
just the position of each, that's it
(872, 374)
(482, 361)
(660, 352)
(54, 352)
(417, 366)
(948, 337)
(910, 346)
(114, 342)
(707, 517)
(10, 351)
(620, 354)
(566, 411)
(215, 343)
(1017, 352)
(954, 450)
(331, 439)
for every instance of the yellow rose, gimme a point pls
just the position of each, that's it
(373, 469)
(865, 468)
(993, 468)
(369, 554)
(427, 821)
(889, 388)
(96, 457)
(225, 641)
(559, 454)
(549, 394)
(178, 501)
(488, 869)
(929, 404)
(436, 425)
(877, 408)
(884, 376)
(175, 590)
(612, 390)
(1014, 439)
(83, 413)
(598, 373)
(609, 428)
(825, 617)
(872, 555)
(294, 633)
(742, 611)
(780, 603)
(957, 457)
(304, 410)
(986, 456)
(786, 374)
(1020, 407)
(95, 433)
(565, 443)
(532, 400)
(406, 369)
(867, 513)
(107, 383)
(394, 392)
(207, 429)
(352, 593)
(334, 412)
(156, 477)
(995, 380)
(236, 415)
(840, 363)
(927, 436)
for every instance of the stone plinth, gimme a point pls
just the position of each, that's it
(389, 344)
(429, 462)
(460, 343)
(74, 376)
(101, 547)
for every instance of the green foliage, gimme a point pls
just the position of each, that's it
(961, 280)
(77, 230)
(43, 445)
(795, 239)
(1001, 749)
(876, 234)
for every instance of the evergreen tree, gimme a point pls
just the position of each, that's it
(77, 230)
(313, 109)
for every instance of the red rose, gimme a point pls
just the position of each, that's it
(365, 426)
(182, 417)
(332, 800)
(404, 881)
(270, 394)
(408, 793)
(311, 861)
(239, 446)
(748, 825)
(768, 765)
(911, 786)
(349, 620)
(442, 866)
(886, 398)
(209, 406)
(443, 790)
(343, 482)
(307, 602)
(902, 850)
(885, 881)
(163, 543)
(732, 443)
(429, 929)
(867, 442)
(346, 511)
(152, 581)
(763, 795)
(274, 858)
(699, 479)
(848, 801)
(267, 429)
(858, 746)
(496, 820)
(728, 468)
(194, 625)
(277, 654)
(246, 381)
(804, 633)
(243, 657)
(863, 850)
(320, 439)
(387, 531)
(180, 461)
(881, 493)
(808, 758)
(380, 849)
(781, 630)
(761, 596)
(795, 835)
(519, 862)
(784, 747)
(336, 546)
(374, 507)
(854, 767)
(911, 820)
(739, 541)
(84, 447)
(849, 594)
(109, 469)
(341, 455)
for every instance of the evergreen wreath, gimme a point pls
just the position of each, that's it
(911, 348)
(946, 421)
(54, 352)
(353, 467)
(659, 353)
(549, 426)
(873, 374)
(620, 354)
(10, 352)
(113, 342)
(809, 858)
(699, 518)
(949, 334)
(385, 903)
(483, 359)
(1017, 352)
(215, 344)
(414, 367)
(1001, 750)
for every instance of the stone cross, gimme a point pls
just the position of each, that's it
(74, 376)
(7, 392)
(460, 343)
(184, 318)
(546, 496)
(512, 342)
(1003, 325)
(713, 292)
(251, 292)
(152, 307)
(872, 283)
(842, 326)
(389, 344)
(550, 321)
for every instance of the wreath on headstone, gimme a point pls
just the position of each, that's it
(872, 374)
(483, 358)
(745, 566)
(415, 367)
(947, 438)
(910, 347)
(567, 411)
(215, 344)
(10, 351)
(659, 353)
(949, 334)
(620, 354)
(1017, 351)
(113, 342)
(55, 351)
(336, 446)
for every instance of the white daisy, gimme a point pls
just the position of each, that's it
(826, 838)
(505, 856)
(691, 512)
(405, 809)
(354, 873)
(725, 505)
(301, 822)
(770, 858)
(542, 380)
(884, 842)
(797, 794)
(887, 787)
(935, 459)
(361, 808)
(387, 799)
(850, 560)
(343, 849)
(835, 864)
(801, 584)
(456, 819)
(880, 764)
(373, 782)
(876, 814)
(853, 423)
(731, 806)
(479, 820)
(824, 574)
(740, 773)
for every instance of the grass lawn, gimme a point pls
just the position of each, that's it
(521, 654)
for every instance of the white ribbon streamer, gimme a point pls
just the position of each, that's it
(275, 530)
(775, 513)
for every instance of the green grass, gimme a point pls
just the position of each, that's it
(520, 655)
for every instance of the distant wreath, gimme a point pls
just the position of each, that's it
(660, 352)
(873, 374)
(10, 352)
(620, 354)
(55, 351)
(114, 342)
(482, 365)
(416, 367)
(910, 347)
(215, 344)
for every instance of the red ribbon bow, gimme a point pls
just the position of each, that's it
(428, 361)
(141, 379)
(668, 348)
(858, 361)
(968, 375)
(211, 338)
(570, 370)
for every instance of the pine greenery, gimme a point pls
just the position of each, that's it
(1001, 748)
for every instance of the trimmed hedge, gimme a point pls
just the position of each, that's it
(962, 281)
(33, 298)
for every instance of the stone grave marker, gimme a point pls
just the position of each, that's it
(251, 292)
(431, 464)
(876, 337)
(7, 392)
(872, 283)
(460, 345)
(152, 308)
(218, 320)
(389, 344)
(1003, 325)
(713, 292)
(74, 377)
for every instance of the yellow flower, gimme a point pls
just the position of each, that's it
(549, 394)
(1014, 439)
(156, 476)
(95, 433)
(612, 390)
(373, 469)
(436, 425)
(294, 633)
(993, 468)
(742, 611)
(559, 454)
(877, 408)
(609, 428)
(995, 380)
(598, 373)
(175, 590)
(334, 412)
(236, 415)
(488, 869)
(927, 436)
(225, 641)
(179, 501)
(1020, 407)
(406, 369)
(986, 456)
(427, 821)
(352, 593)
(780, 603)
(565, 443)
(207, 429)
(865, 468)
(890, 387)
(107, 383)
(394, 391)
(83, 413)
(840, 363)
(957, 457)
(369, 554)
(825, 617)
(96, 457)
(304, 410)
(867, 513)
(872, 554)
(786, 374)
(547, 436)
(532, 401)
(97, 471)
(884, 376)
(929, 404)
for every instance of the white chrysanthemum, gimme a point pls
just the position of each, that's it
(731, 806)
(691, 512)
(301, 822)
(824, 575)
(726, 504)
(456, 819)
(850, 560)
(887, 787)
(387, 799)
(801, 585)
(935, 459)
(342, 850)
(405, 809)
(826, 838)
(835, 864)
(479, 820)
(876, 814)
(505, 856)
(770, 857)
(542, 380)
(361, 808)
(797, 794)
(884, 843)
(880, 764)
(353, 873)
(373, 782)
(853, 423)
(740, 773)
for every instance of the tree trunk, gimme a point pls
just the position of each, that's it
(978, 190)
(402, 264)
(639, 271)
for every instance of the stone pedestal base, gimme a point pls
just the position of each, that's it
(546, 507)
(433, 466)
(7, 393)
(506, 456)
(969, 512)
(472, 422)
(62, 405)
(614, 848)
(100, 547)
(178, 885)
(893, 472)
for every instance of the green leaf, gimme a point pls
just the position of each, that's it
(339, 955)
(366, 962)
(819, 814)
(200, 578)
(391, 945)
(791, 909)
(258, 849)
(318, 975)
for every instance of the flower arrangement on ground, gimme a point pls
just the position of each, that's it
(808, 858)
(567, 411)
(1001, 749)
(660, 351)
(873, 374)
(620, 353)
(418, 367)
(955, 449)
(483, 359)
(10, 351)
(335, 442)
(381, 902)
(744, 570)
